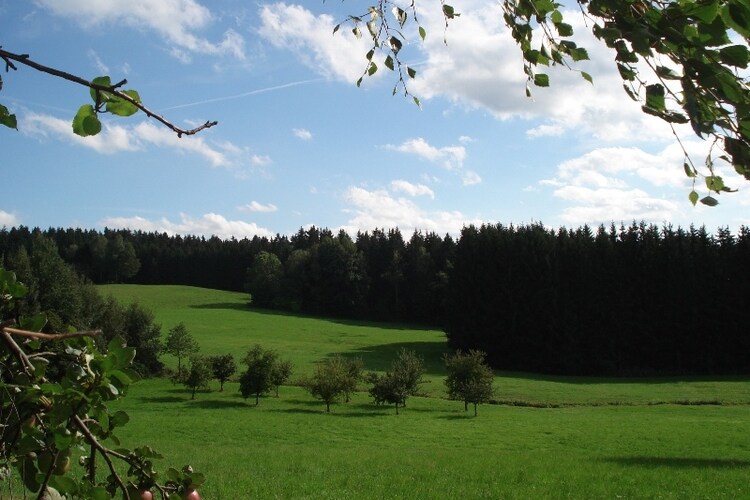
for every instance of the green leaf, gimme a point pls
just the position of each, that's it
(714, 183)
(401, 15)
(564, 29)
(667, 73)
(693, 197)
(395, 44)
(710, 201)
(689, 171)
(372, 69)
(422, 33)
(121, 107)
(389, 63)
(587, 77)
(655, 97)
(411, 72)
(579, 54)
(735, 55)
(357, 32)
(706, 12)
(34, 323)
(99, 493)
(369, 54)
(449, 11)
(85, 122)
(541, 80)
(416, 101)
(104, 81)
(556, 17)
(7, 119)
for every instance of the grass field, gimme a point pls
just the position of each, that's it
(556, 437)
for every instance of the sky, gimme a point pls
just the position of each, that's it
(299, 144)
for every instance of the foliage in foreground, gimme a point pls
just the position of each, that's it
(47, 415)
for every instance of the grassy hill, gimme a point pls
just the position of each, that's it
(556, 437)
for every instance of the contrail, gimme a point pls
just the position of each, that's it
(245, 94)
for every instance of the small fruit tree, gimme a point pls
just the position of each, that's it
(46, 419)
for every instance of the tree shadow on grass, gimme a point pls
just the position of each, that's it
(214, 404)
(380, 357)
(301, 411)
(243, 306)
(680, 462)
(164, 399)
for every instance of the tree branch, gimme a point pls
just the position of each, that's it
(105, 453)
(50, 336)
(8, 57)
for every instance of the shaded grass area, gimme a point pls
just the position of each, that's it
(223, 323)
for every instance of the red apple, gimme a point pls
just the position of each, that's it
(146, 495)
(192, 495)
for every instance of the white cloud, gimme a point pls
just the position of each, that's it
(112, 138)
(378, 209)
(254, 206)
(310, 38)
(449, 157)
(177, 21)
(624, 184)
(604, 205)
(100, 66)
(160, 136)
(302, 133)
(117, 138)
(8, 219)
(412, 189)
(208, 225)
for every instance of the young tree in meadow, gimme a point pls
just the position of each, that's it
(180, 343)
(222, 368)
(198, 374)
(257, 378)
(280, 373)
(354, 367)
(469, 378)
(329, 380)
(401, 382)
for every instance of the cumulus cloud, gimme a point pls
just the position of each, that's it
(295, 28)
(623, 184)
(449, 157)
(302, 133)
(8, 219)
(112, 138)
(254, 206)
(207, 225)
(117, 138)
(412, 189)
(177, 21)
(379, 208)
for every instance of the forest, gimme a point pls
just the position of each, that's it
(620, 300)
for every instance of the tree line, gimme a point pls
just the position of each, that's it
(617, 300)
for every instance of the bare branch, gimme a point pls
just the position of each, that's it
(50, 336)
(8, 57)
(17, 351)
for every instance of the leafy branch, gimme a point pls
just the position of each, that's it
(107, 96)
(44, 417)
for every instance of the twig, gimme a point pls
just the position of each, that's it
(17, 351)
(50, 336)
(104, 452)
(24, 59)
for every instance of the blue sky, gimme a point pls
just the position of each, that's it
(299, 144)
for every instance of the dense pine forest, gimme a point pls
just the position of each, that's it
(618, 300)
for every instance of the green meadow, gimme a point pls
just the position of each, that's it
(548, 437)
